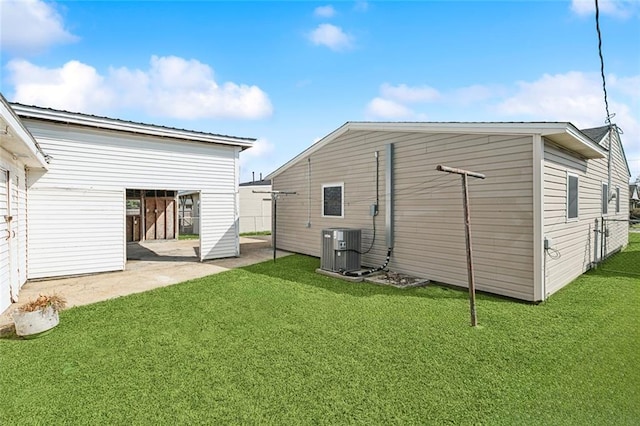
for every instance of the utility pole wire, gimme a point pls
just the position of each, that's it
(604, 82)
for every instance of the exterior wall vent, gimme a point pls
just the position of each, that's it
(340, 249)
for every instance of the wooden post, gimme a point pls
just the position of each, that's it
(467, 232)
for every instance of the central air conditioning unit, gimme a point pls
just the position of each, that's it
(340, 249)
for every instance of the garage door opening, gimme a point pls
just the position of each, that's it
(154, 226)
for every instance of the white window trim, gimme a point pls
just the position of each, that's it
(327, 185)
(602, 198)
(572, 219)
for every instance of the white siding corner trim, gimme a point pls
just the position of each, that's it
(539, 290)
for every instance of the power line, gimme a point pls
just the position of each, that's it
(604, 82)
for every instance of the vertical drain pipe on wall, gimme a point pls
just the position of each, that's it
(388, 217)
(308, 192)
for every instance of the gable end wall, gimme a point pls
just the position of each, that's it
(428, 225)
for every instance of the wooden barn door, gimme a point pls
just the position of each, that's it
(160, 215)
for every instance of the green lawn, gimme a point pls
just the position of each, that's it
(278, 344)
(254, 234)
(189, 237)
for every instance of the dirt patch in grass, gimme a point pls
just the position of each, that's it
(397, 280)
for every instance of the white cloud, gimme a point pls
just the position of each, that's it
(75, 86)
(332, 37)
(629, 86)
(577, 97)
(261, 148)
(388, 109)
(616, 8)
(30, 26)
(406, 94)
(574, 96)
(324, 11)
(171, 87)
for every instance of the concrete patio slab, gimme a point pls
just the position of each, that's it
(151, 265)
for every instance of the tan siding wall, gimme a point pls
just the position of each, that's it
(574, 240)
(429, 233)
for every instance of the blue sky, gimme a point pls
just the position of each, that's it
(288, 73)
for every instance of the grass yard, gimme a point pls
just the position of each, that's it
(278, 344)
(189, 237)
(255, 234)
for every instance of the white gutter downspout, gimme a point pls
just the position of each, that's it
(539, 272)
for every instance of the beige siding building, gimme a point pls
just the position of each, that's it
(533, 217)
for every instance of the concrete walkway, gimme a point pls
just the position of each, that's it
(151, 264)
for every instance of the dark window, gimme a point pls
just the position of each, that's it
(332, 200)
(617, 199)
(572, 197)
(605, 198)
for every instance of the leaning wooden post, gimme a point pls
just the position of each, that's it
(467, 232)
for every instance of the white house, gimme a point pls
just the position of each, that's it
(18, 152)
(255, 206)
(76, 221)
(537, 218)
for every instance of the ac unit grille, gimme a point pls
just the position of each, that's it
(341, 249)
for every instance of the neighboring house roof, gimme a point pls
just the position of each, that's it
(599, 134)
(563, 133)
(634, 192)
(596, 134)
(264, 182)
(17, 140)
(59, 116)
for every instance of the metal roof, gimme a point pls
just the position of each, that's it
(17, 140)
(88, 120)
(563, 133)
(264, 182)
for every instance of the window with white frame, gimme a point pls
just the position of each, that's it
(605, 198)
(333, 200)
(617, 199)
(572, 196)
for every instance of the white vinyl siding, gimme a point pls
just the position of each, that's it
(255, 208)
(5, 261)
(88, 164)
(13, 253)
(573, 196)
(218, 226)
(87, 238)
